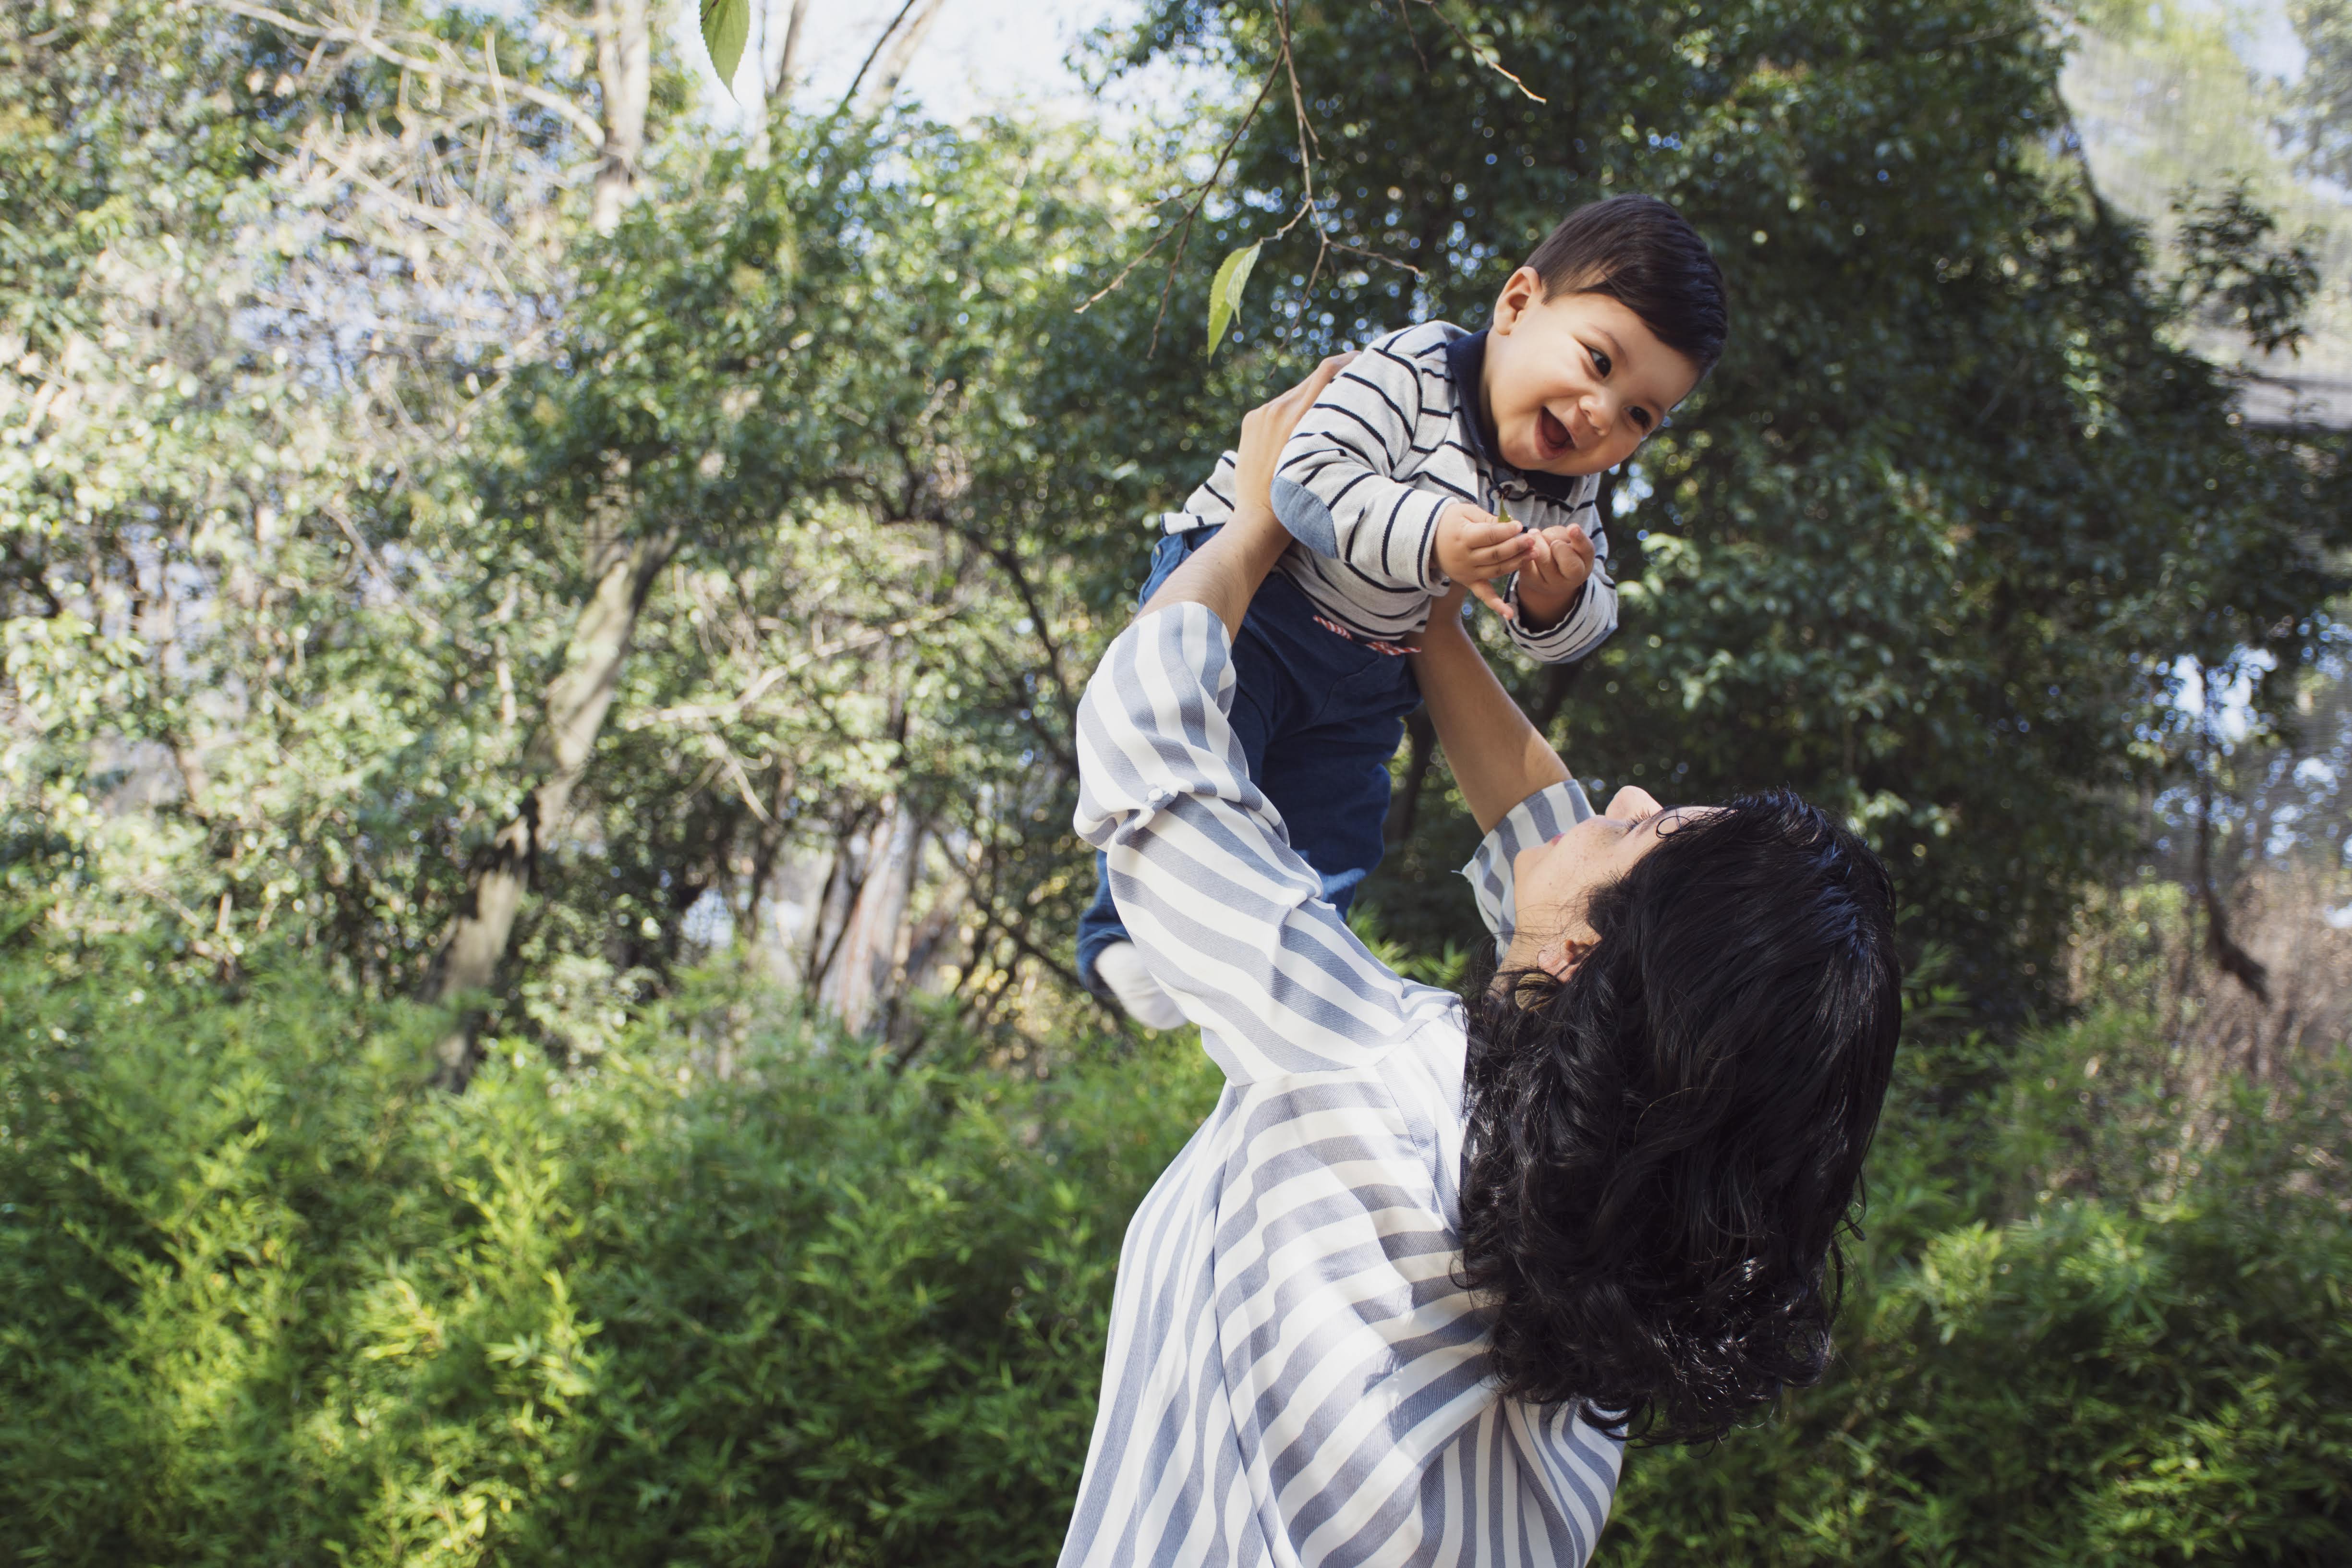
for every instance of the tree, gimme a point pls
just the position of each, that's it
(1929, 541)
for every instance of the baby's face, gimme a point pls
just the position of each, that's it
(1574, 383)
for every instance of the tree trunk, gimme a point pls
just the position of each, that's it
(625, 70)
(867, 958)
(2228, 956)
(1405, 811)
(781, 84)
(577, 701)
(773, 85)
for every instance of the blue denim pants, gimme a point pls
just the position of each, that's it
(1318, 717)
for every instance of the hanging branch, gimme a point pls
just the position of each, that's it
(2232, 959)
(1194, 199)
(393, 52)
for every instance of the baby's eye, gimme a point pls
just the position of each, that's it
(1641, 418)
(1600, 362)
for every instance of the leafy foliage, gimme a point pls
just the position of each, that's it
(741, 1294)
(2092, 1326)
(738, 1295)
(2233, 272)
(1929, 540)
(1226, 292)
(726, 25)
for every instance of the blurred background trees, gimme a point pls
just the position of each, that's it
(505, 573)
(470, 520)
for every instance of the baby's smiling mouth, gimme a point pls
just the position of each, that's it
(1551, 436)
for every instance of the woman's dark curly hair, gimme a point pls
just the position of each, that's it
(1665, 1147)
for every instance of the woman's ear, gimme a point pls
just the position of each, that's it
(1559, 959)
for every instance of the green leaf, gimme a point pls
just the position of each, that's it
(724, 25)
(1225, 293)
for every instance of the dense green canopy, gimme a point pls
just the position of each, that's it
(359, 486)
(470, 530)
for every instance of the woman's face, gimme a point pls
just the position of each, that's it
(1552, 883)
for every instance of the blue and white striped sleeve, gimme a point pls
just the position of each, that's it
(1585, 627)
(1542, 816)
(1227, 916)
(1335, 488)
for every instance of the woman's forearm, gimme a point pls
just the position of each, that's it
(1225, 574)
(1497, 755)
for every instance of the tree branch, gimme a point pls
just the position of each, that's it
(554, 103)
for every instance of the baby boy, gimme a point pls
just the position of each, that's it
(1440, 456)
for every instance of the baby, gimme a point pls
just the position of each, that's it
(1439, 457)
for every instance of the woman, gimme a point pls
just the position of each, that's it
(1404, 1294)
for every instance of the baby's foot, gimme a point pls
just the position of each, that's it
(1121, 967)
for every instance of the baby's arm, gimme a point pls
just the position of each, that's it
(1335, 488)
(1565, 600)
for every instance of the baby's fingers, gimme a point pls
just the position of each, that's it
(1477, 536)
(1493, 601)
(1505, 555)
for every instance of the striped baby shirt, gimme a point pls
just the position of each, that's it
(1293, 1375)
(1392, 442)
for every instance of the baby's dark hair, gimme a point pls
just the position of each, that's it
(1640, 253)
(1665, 1147)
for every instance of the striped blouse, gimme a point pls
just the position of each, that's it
(1293, 1375)
(1392, 443)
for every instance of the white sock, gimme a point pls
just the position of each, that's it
(1121, 967)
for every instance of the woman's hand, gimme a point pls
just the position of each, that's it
(1223, 574)
(1265, 430)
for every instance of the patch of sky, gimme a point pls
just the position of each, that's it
(1633, 489)
(710, 922)
(982, 57)
(2231, 693)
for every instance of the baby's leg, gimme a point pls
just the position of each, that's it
(1326, 772)
(1332, 788)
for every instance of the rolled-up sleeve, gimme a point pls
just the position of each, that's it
(1542, 816)
(1228, 916)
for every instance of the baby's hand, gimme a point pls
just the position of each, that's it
(1549, 583)
(1475, 547)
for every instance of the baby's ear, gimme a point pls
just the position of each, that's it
(1522, 290)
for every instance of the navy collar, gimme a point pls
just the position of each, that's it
(1466, 356)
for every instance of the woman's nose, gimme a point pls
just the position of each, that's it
(1631, 804)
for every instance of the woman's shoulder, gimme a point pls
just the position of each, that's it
(1403, 1106)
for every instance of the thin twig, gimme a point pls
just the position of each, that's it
(554, 103)
(1486, 58)
(871, 56)
(1199, 193)
(1194, 198)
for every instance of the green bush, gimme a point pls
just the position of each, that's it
(272, 1299)
(2095, 1320)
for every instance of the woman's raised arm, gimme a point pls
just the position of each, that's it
(1225, 574)
(1497, 755)
(1229, 920)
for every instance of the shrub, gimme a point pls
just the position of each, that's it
(2090, 1325)
(736, 1293)
(273, 1300)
